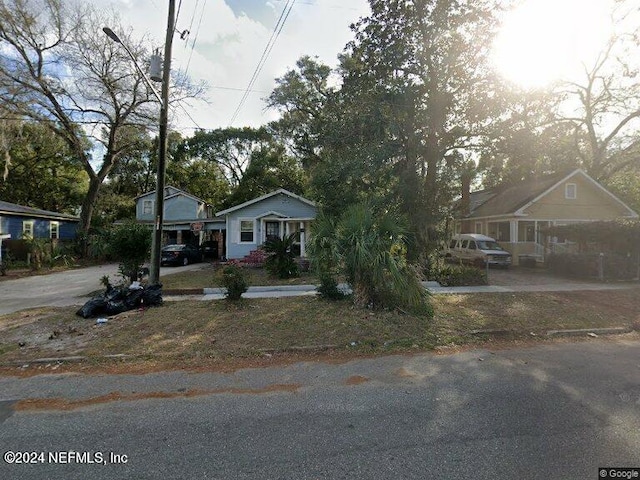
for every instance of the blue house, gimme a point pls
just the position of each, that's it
(23, 222)
(276, 214)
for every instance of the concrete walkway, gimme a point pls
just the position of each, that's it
(278, 291)
(73, 286)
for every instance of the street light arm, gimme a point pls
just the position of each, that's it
(112, 35)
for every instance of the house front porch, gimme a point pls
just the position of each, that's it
(524, 239)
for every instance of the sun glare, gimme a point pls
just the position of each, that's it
(545, 40)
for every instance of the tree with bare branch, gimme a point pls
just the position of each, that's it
(58, 68)
(603, 103)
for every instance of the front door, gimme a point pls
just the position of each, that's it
(272, 230)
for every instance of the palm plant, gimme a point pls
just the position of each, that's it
(280, 257)
(369, 248)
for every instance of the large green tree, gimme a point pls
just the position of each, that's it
(41, 172)
(228, 148)
(416, 96)
(269, 169)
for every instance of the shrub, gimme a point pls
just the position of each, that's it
(328, 288)
(233, 279)
(130, 243)
(450, 275)
(40, 250)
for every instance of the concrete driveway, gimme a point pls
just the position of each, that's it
(59, 289)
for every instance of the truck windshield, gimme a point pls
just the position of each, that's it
(488, 245)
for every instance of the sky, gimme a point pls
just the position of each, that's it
(541, 41)
(225, 42)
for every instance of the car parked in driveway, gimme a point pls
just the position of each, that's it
(477, 249)
(209, 249)
(180, 254)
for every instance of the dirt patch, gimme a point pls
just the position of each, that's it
(66, 404)
(356, 380)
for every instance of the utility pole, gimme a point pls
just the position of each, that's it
(156, 244)
(156, 240)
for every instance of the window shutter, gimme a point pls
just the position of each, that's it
(235, 231)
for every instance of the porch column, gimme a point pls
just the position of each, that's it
(179, 236)
(303, 249)
(513, 224)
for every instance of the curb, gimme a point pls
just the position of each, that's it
(72, 359)
(589, 331)
(271, 288)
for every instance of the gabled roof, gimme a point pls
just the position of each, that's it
(508, 199)
(170, 192)
(264, 197)
(512, 200)
(15, 209)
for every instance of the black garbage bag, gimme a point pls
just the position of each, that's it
(93, 307)
(133, 298)
(152, 296)
(115, 293)
(114, 307)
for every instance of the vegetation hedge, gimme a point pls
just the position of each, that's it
(453, 275)
(587, 265)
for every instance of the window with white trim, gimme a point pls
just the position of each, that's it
(479, 227)
(147, 207)
(27, 228)
(54, 230)
(246, 231)
(570, 191)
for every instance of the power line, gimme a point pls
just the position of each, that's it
(323, 5)
(265, 54)
(238, 89)
(193, 44)
(190, 117)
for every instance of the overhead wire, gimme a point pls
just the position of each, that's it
(284, 15)
(193, 44)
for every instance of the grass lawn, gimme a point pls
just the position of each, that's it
(197, 332)
(206, 277)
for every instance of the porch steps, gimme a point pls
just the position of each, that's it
(255, 258)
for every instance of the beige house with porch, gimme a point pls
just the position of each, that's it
(517, 215)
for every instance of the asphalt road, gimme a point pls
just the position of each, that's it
(70, 287)
(551, 412)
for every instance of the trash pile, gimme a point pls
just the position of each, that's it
(116, 300)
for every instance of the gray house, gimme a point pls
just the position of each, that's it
(187, 219)
(277, 214)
